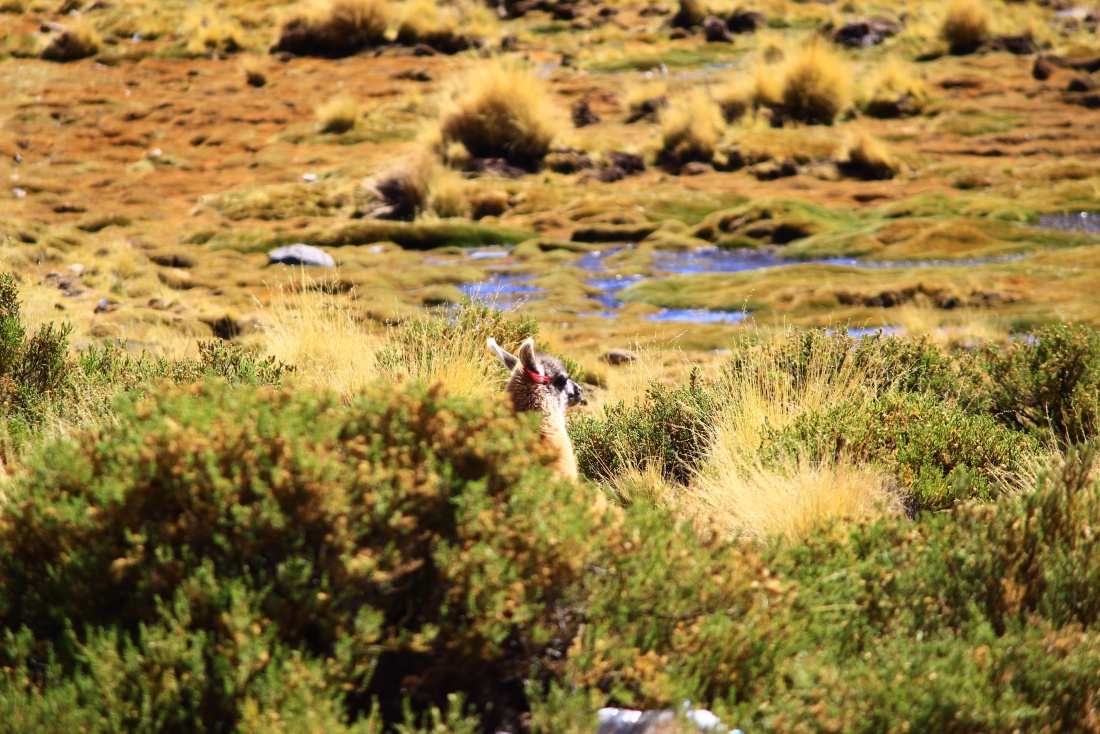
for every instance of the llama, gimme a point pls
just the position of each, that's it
(541, 384)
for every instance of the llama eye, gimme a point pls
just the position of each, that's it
(560, 381)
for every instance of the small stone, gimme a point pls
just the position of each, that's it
(309, 177)
(695, 168)
(301, 254)
(619, 356)
(76, 269)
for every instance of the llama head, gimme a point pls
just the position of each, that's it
(539, 381)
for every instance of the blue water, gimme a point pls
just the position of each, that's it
(504, 288)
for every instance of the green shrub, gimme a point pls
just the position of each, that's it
(416, 543)
(939, 453)
(35, 370)
(1049, 384)
(668, 429)
(984, 617)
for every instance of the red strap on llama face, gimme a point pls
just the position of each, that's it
(541, 379)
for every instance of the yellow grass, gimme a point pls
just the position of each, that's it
(965, 25)
(740, 495)
(691, 128)
(320, 335)
(207, 31)
(816, 84)
(338, 115)
(432, 22)
(791, 500)
(868, 158)
(333, 347)
(501, 111)
(79, 40)
(422, 186)
(255, 70)
(334, 28)
(894, 82)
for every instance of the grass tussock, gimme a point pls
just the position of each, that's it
(327, 341)
(333, 28)
(446, 28)
(966, 25)
(502, 111)
(816, 85)
(209, 32)
(338, 115)
(792, 500)
(691, 129)
(868, 158)
(255, 70)
(333, 347)
(422, 187)
(895, 90)
(78, 40)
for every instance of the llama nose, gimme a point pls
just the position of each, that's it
(574, 393)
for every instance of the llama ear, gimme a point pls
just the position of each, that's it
(526, 353)
(509, 360)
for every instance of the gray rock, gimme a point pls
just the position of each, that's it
(301, 254)
(619, 356)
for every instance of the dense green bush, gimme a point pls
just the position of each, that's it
(34, 369)
(938, 452)
(409, 546)
(1049, 383)
(669, 428)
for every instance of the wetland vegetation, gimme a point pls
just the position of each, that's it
(826, 271)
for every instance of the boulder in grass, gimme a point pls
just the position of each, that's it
(301, 254)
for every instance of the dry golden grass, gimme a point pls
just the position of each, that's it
(255, 70)
(334, 28)
(757, 502)
(868, 158)
(321, 336)
(78, 40)
(966, 25)
(963, 327)
(895, 89)
(332, 347)
(740, 495)
(420, 187)
(447, 27)
(816, 84)
(338, 115)
(208, 32)
(502, 111)
(691, 128)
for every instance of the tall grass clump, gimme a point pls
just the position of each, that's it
(502, 111)
(691, 128)
(966, 25)
(422, 186)
(210, 33)
(333, 28)
(446, 28)
(895, 91)
(816, 85)
(338, 115)
(76, 41)
(868, 158)
(332, 347)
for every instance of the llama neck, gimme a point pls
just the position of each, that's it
(553, 432)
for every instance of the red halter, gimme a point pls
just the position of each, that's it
(541, 379)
